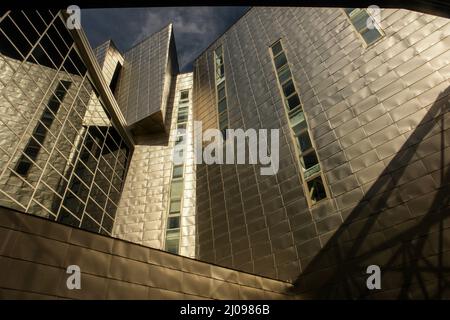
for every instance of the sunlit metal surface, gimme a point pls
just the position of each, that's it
(362, 105)
(112, 268)
(144, 206)
(62, 157)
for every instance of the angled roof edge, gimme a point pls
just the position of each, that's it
(168, 26)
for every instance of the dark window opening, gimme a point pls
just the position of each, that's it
(115, 78)
(316, 190)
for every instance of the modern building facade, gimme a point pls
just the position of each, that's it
(88, 139)
(364, 151)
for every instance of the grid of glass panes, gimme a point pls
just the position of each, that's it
(222, 107)
(361, 19)
(65, 160)
(176, 187)
(311, 172)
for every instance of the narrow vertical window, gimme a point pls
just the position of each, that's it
(222, 106)
(312, 176)
(176, 187)
(39, 134)
(359, 19)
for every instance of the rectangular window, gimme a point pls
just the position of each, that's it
(316, 190)
(365, 24)
(175, 206)
(173, 242)
(173, 223)
(176, 187)
(220, 71)
(177, 171)
(182, 115)
(184, 95)
(312, 176)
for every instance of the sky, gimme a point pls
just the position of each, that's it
(195, 28)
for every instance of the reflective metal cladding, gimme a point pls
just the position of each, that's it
(61, 155)
(363, 119)
(361, 113)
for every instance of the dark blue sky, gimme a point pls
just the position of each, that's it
(194, 27)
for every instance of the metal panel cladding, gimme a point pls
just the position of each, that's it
(376, 115)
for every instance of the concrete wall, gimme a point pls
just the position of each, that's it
(379, 119)
(34, 255)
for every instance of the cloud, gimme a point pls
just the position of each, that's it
(194, 27)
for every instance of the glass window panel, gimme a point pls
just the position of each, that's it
(173, 223)
(304, 141)
(359, 19)
(107, 223)
(184, 95)
(349, 10)
(73, 64)
(176, 189)
(94, 210)
(280, 60)
(67, 218)
(182, 115)
(222, 105)
(220, 72)
(98, 195)
(284, 74)
(299, 127)
(114, 194)
(115, 136)
(288, 88)
(316, 189)
(89, 224)
(53, 53)
(46, 15)
(172, 245)
(223, 120)
(175, 206)
(221, 92)
(309, 160)
(82, 171)
(293, 102)
(24, 25)
(111, 209)
(72, 203)
(119, 172)
(277, 48)
(23, 166)
(47, 197)
(35, 20)
(63, 32)
(371, 35)
(16, 37)
(177, 171)
(78, 188)
(38, 56)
